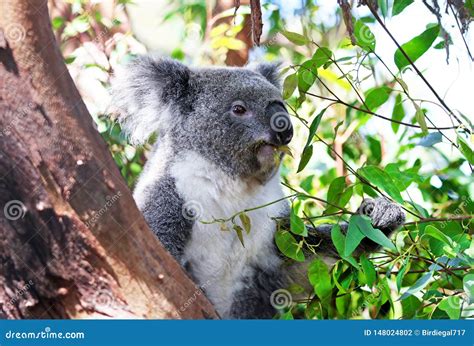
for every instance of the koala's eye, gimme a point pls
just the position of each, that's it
(238, 109)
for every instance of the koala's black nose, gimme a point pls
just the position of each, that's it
(280, 123)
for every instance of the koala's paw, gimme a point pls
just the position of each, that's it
(385, 215)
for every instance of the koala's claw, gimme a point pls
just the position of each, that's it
(385, 215)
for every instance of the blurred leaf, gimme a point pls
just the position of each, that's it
(431, 139)
(466, 149)
(416, 47)
(410, 306)
(297, 225)
(289, 85)
(246, 223)
(377, 97)
(399, 6)
(369, 270)
(305, 157)
(420, 119)
(452, 306)
(306, 75)
(295, 38)
(238, 230)
(437, 234)
(319, 277)
(321, 56)
(398, 112)
(338, 195)
(401, 273)
(418, 285)
(383, 5)
(364, 37)
(288, 245)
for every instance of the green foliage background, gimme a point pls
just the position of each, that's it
(336, 85)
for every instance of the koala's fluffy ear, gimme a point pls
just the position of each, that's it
(271, 71)
(145, 93)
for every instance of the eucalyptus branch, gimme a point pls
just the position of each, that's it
(418, 72)
(232, 218)
(443, 219)
(378, 115)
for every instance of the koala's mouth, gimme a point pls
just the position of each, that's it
(269, 154)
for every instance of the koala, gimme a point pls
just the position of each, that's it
(220, 130)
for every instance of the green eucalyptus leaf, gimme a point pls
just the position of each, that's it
(398, 113)
(288, 245)
(381, 179)
(305, 157)
(297, 225)
(364, 36)
(289, 85)
(369, 270)
(399, 6)
(416, 47)
(318, 275)
(295, 38)
(377, 97)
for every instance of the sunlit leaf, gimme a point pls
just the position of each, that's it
(398, 113)
(322, 56)
(466, 149)
(452, 306)
(418, 285)
(289, 85)
(399, 6)
(246, 223)
(295, 38)
(377, 97)
(416, 47)
(431, 139)
(420, 119)
(364, 37)
(305, 157)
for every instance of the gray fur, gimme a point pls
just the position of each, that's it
(211, 162)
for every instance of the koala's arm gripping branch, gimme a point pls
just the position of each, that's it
(385, 216)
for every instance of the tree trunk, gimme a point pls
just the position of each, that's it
(72, 241)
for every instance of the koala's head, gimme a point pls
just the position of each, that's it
(234, 117)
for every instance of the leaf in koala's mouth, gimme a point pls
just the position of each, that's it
(285, 149)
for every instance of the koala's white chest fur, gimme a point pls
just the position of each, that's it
(218, 260)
